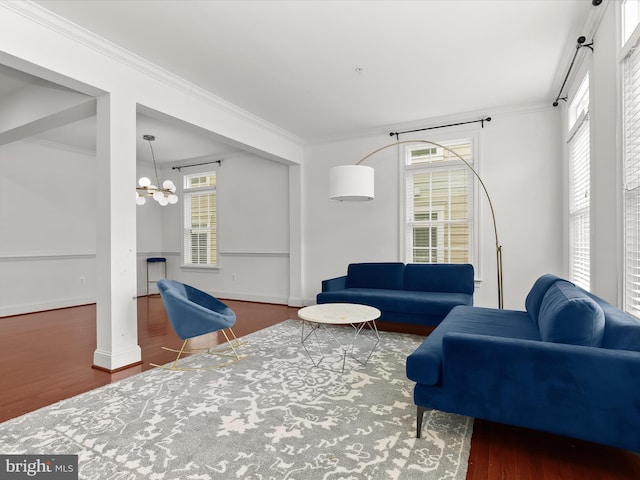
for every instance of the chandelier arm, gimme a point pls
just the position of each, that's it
(486, 192)
(155, 167)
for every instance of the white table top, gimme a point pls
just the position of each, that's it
(339, 313)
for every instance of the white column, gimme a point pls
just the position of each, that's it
(117, 329)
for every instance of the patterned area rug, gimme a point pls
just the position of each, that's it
(272, 416)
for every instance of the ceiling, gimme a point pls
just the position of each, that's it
(175, 143)
(324, 69)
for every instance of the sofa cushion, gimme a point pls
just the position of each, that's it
(375, 275)
(399, 300)
(424, 365)
(567, 315)
(439, 277)
(536, 294)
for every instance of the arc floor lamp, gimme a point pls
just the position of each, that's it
(356, 183)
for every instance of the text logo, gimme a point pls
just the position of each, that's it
(50, 467)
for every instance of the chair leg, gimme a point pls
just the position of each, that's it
(421, 411)
(231, 344)
(184, 344)
(230, 341)
(175, 362)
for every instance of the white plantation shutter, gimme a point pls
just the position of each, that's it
(439, 193)
(631, 178)
(200, 245)
(579, 203)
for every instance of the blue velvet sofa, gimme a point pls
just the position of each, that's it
(569, 364)
(418, 294)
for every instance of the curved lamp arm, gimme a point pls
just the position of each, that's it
(486, 192)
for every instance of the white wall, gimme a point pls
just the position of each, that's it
(521, 165)
(47, 227)
(48, 242)
(253, 231)
(48, 234)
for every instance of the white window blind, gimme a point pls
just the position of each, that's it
(439, 193)
(200, 246)
(579, 203)
(631, 173)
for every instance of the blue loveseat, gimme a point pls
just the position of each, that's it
(569, 364)
(418, 294)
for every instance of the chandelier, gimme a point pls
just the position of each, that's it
(165, 195)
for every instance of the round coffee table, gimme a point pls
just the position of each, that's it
(320, 318)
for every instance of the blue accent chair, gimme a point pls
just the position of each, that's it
(192, 313)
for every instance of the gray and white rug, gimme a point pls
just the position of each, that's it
(271, 416)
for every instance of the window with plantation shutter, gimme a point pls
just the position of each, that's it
(439, 204)
(631, 179)
(579, 188)
(200, 246)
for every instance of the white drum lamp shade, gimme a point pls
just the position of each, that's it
(351, 183)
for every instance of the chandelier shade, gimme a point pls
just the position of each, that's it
(164, 195)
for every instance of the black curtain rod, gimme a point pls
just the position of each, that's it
(219, 162)
(580, 44)
(481, 121)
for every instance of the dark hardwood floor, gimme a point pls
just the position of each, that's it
(47, 356)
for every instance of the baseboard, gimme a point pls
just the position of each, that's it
(296, 302)
(41, 307)
(301, 302)
(112, 362)
(117, 370)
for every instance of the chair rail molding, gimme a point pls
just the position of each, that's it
(22, 257)
(254, 253)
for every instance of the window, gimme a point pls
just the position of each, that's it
(631, 181)
(579, 188)
(200, 219)
(439, 205)
(427, 237)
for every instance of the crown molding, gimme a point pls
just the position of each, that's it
(48, 19)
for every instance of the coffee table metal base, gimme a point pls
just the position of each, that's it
(338, 337)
